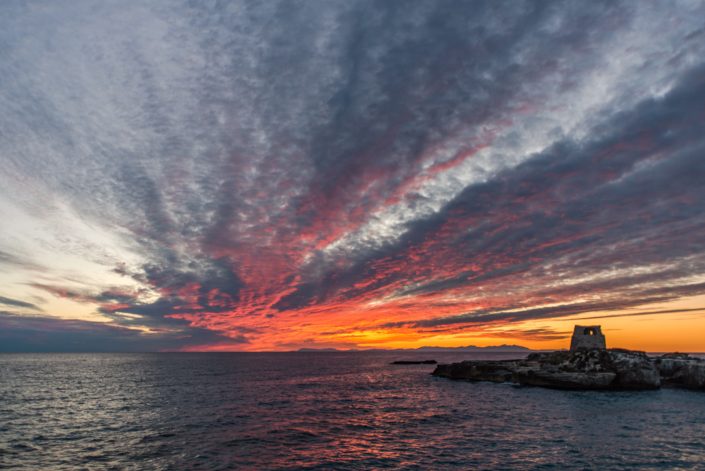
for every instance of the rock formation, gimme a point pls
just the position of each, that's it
(681, 370)
(596, 369)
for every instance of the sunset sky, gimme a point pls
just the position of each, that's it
(351, 174)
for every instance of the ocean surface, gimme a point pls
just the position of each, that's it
(323, 411)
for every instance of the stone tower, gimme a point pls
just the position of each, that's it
(587, 337)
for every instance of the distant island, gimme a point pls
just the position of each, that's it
(473, 348)
(314, 350)
(429, 349)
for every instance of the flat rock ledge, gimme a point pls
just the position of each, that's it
(608, 370)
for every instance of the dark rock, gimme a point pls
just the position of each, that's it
(557, 379)
(679, 369)
(635, 370)
(414, 362)
(583, 369)
(495, 371)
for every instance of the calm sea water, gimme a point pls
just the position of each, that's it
(323, 411)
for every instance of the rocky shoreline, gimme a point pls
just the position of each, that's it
(597, 369)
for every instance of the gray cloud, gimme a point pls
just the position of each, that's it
(18, 303)
(627, 198)
(236, 163)
(20, 333)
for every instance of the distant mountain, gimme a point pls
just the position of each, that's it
(473, 348)
(310, 350)
(468, 348)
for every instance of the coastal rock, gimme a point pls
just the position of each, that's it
(635, 370)
(495, 371)
(557, 379)
(591, 369)
(584, 369)
(679, 369)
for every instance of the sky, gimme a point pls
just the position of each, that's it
(350, 174)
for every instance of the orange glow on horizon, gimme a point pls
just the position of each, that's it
(633, 329)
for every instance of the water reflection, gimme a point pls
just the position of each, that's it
(354, 411)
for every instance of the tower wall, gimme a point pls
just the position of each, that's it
(587, 337)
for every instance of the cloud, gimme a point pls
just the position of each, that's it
(626, 199)
(17, 261)
(542, 333)
(46, 334)
(646, 313)
(18, 303)
(263, 170)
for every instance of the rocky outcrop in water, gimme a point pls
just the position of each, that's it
(613, 369)
(414, 362)
(681, 370)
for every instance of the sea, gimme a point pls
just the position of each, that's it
(324, 410)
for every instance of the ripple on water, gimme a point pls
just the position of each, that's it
(322, 411)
